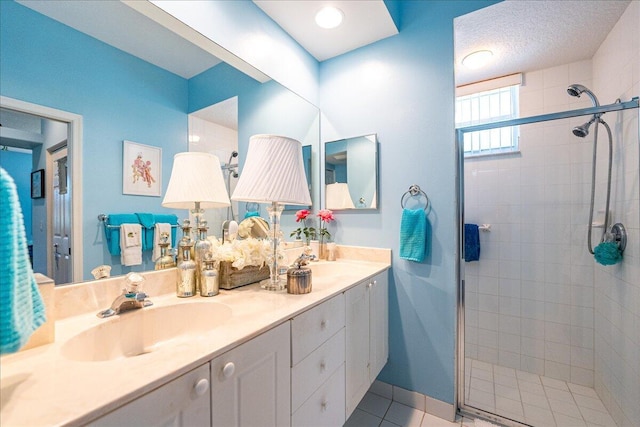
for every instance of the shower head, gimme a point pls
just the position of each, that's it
(578, 89)
(233, 154)
(583, 130)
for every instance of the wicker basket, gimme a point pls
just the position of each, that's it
(230, 277)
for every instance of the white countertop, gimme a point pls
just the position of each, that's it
(42, 387)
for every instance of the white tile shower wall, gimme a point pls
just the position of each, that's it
(530, 297)
(577, 321)
(616, 74)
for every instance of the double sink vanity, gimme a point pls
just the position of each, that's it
(245, 357)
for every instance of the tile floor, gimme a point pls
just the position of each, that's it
(533, 399)
(378, 411)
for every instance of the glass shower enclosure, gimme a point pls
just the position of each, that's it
(546, 335)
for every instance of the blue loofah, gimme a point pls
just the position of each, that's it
(607, 253)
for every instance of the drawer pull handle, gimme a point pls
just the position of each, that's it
(323, 366)
(375, 282)
(323, 324)
(369, 285)
(228, 369)
(323, 405)
(201, 387)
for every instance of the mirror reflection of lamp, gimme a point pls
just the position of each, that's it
(196, 184)
(273, 173)
(338, 196)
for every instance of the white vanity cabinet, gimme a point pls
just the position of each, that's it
(367, 335)
(184, 401)
(251, 384)
(317, 365)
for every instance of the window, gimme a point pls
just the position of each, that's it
(487, 107)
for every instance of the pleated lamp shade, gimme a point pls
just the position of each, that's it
(196, 177)
(338, 196)
(273, 172)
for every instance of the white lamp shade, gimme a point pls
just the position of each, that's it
(196, 177)
(273, 172)
(338, 196)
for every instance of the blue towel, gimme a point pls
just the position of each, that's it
(21, 308)
(471, 242)
(413, 235)
(148, 223)
(251, 213)
(113, 233)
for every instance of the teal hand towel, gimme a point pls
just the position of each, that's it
(413, 235)
(148, 223)
(21, 308)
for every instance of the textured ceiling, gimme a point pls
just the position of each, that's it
(529, 35)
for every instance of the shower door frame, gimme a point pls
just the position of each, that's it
(459, 400)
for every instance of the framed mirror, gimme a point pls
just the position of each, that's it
(351, 173)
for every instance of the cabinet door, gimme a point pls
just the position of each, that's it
(357, 344)
(379, 317)
(251, 384)
(182, 402)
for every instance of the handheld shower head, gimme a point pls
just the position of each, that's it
(578, 89)
(583, 130)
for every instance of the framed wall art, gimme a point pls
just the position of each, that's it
(141, 169)
(37, 184)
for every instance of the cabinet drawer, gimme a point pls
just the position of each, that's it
(325, 407)
(310, 329)
(315, 369)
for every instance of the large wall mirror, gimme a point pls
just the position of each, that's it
(131, 78)
(351, 173)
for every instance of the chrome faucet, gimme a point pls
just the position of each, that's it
(131, 298)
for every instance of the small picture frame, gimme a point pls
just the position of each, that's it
(37, 184)
(141, 169)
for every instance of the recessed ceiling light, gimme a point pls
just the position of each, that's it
(477, 59)
(329, 17)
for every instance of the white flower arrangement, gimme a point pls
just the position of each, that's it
(241, 253)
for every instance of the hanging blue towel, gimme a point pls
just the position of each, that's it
(148, 224)
(249, 214)
(471, 242)
(21, 308)
(413, 235)
(113, 233)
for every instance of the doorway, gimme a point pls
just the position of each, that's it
(51, 130)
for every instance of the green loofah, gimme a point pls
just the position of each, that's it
(607, 253)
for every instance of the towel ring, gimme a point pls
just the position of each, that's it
(252, 207)
(414, 191)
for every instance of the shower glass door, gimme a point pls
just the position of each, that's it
(548, 337)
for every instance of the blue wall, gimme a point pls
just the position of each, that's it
(120, 97)
(402, 88)
(19, 166)
(244, 30)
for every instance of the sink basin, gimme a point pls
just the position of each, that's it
(142, 331)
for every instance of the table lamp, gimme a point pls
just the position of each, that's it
(273, 173)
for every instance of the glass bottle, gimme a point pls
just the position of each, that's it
(209, 283)
(202, 248)
(166, 260)
(186, 239)
(186, 273)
